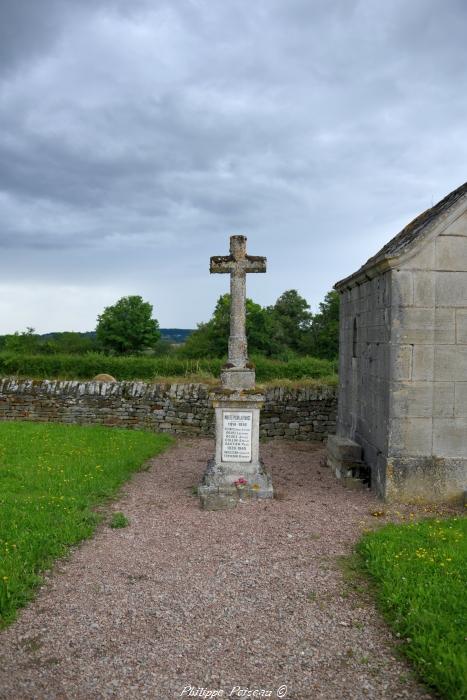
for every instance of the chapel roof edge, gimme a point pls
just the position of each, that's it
(406, 239)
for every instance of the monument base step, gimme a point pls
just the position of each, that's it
(218, 491)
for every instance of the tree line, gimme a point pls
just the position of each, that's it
(284, 330)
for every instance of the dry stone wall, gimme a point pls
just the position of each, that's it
(307, 413)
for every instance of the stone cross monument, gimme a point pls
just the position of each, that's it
(238, 374)
(236, 473)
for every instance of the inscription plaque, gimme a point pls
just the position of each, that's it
(236, 436)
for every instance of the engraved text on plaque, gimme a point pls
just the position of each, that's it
(236, 436)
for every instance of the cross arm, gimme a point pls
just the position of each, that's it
(255, 263)
(222, 263)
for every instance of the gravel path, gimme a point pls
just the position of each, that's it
(253, 597)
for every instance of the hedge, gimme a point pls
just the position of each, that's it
(151, 368)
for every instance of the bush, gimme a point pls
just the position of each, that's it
(300, 368)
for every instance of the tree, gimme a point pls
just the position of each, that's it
(211, 339)
(293, 319)
(323, 337)
(261, 330)
(71, 343)
(127, 326)
(26, 342)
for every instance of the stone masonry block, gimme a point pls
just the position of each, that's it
(401, 361)
(460, 402)
(443, 399)
(413, 326)
(459, 226)
(377, 334)
(423, 362)
(451, 289)
(424, 288)
(445, 326)
(429, 479)
(451, 253)
(450, 438)
(344, 449)
(450, 362)
(412, 399)
(410, 437)
(461, 326)
(402, 288)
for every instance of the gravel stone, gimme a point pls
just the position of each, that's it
(252, 597)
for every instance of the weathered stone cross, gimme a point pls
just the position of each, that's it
(237, 264)
(236, 469)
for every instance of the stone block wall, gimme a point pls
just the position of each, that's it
(364, 370)
(299, 414)
(427, 452)
(307, 413)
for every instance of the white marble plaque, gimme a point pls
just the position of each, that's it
(236, 436)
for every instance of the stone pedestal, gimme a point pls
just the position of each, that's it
(236, 473)
(238, 378)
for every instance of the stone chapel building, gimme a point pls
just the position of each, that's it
(402, 417)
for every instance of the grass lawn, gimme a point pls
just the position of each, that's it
(51, 476)
(420, 576)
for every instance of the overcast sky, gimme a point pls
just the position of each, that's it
(137, 135)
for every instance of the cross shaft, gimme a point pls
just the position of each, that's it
(237, 264)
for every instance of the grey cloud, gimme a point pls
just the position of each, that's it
(26, 29)
(131, 133)
(31, 28)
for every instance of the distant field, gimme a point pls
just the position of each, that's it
(171, 335)
(51, 476)
(154, 368)
(420, 575)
